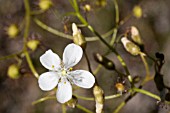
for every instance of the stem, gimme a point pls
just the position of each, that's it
(121, 105)
(99, 66)
(83, 108)
(64, 110)
(112, 96)
(84, 98)
(31, 66)
(92, 99)
(88, 62)
(145, 64)
(27, 22)
(61, 34)
(146, 93)
(43, 99)
(10, 56)
(26, 32)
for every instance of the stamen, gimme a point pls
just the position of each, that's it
(52, 66)
(70, 69)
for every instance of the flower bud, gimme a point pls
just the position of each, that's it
(99, 98)
(130, 46)
(158, 79)
(12, 31)
(137, 11)
(108, 64)
(45, 4)
(78, 38)
(13, 71)
(72, 103)
(33, 44)
(101, 3)
(136, 79)
(135, 35)
(87, 7)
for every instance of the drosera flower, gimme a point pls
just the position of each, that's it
(60, 73)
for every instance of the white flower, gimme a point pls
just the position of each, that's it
(60, 72)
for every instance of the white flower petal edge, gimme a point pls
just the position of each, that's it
(48, 81)
(50, 60)
(64, 91)
(82, 78)
(72, 55)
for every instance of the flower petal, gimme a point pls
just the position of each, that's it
(48, 80)
(64, 91)
(50, 60)
(72, 55)
(82, 78)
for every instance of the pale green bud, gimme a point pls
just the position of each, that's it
(45, 4)
(33, 44)
(12, 31)
(13, 71)
(137, 11)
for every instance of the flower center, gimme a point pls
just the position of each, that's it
(63, 72)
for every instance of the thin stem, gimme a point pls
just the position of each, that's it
(29, 61)
(112, 96)
(88, 62)
(64, 110)
(145, 64)
(83, 108)
(26, 33)
(43, 99)
(121, 105)
(99, 66)
(84, 98)
(61, 34)
(27, 22)
(92, 99)
(146, 93)
(116, 22)
(10, 56)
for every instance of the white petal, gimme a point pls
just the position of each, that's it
(72, 55)
(47, 81)
(64, 91)
(50, 60)
(82, 78)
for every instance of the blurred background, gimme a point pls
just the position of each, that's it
(17, 95)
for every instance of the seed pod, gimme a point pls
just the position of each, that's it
(12, 31)
(72, 103)
(159, 81)
(78, 38)
(130, 46)
(99, 98)
(108, 64)
(13, 71)
(137, 11)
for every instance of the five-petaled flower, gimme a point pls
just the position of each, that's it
(60, 73)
